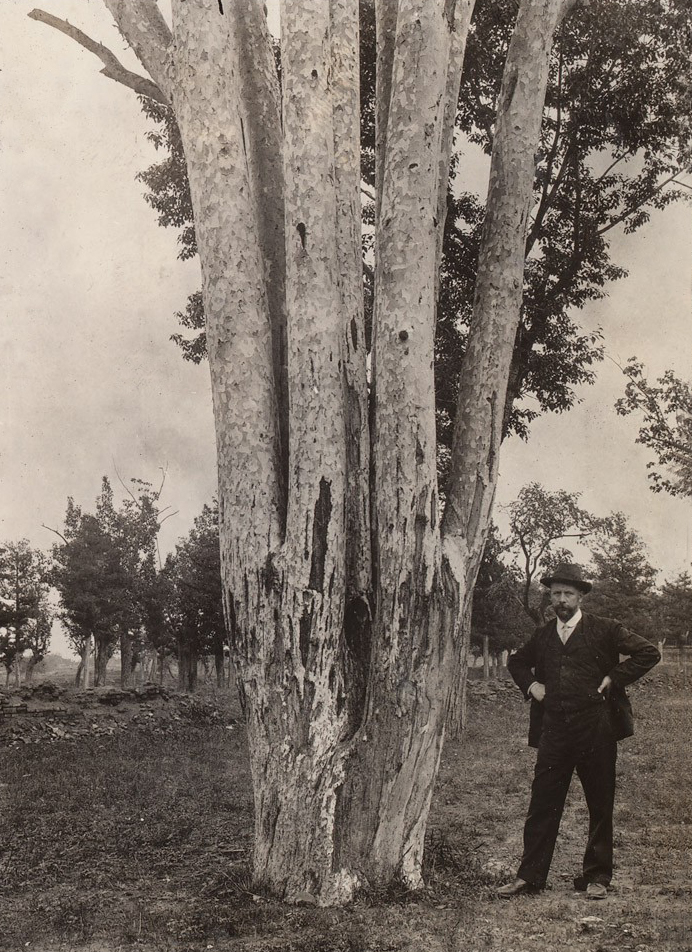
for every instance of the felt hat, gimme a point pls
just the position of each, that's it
(570, 574)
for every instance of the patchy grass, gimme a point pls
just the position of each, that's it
(141, 840)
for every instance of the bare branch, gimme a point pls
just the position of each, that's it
(126, 488)
(367, 191)
(113, 68)
(44, 526)
(164, 473)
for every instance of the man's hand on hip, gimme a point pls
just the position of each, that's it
(605, 685)
(537, 691)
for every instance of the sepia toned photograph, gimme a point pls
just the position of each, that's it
(345, 475)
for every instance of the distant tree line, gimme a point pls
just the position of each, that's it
(116, 594)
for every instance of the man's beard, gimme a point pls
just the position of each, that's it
(564, 613)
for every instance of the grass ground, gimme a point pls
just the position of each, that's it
(141, 840)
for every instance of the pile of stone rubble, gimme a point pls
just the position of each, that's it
(48, 712)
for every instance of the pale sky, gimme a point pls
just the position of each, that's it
(88, 285)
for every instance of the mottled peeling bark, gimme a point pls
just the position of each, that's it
(144, 28)
(461, 14)
(499, 287)
(345, 71)
(497, 303)
(400, 742)
(210, 116)
(263, 137)
(298, 713)
(386, 12)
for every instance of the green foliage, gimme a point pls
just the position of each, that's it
(665, 409)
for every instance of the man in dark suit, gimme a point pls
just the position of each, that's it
(571, 671)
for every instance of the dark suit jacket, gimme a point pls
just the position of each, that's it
(608, 640)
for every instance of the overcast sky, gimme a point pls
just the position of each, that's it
(89, 283)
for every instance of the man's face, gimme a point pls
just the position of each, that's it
(565, 600)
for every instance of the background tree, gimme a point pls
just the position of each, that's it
(37, 638)
(24, 589)
(498, 622)
(195, 607)
(156, 599)
(8, 649)
(624, 580)
(675, 610)
(134, 528)
(665, 409)
(615, 146)
(88, 577)
(105, 571)
(539, 519)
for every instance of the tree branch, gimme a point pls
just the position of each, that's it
(552, 155)
(44, 526)
(164, 473)
(630, 211)
(620, 158)
(112, 67)
(145, 30)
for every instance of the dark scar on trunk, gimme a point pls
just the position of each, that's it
(320, 528)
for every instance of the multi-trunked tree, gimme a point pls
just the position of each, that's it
(345, 578)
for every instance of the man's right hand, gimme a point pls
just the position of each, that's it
(537, 691)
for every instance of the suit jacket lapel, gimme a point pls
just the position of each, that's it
(553, 632)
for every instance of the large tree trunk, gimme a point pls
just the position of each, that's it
(345, 662)
(188, 658)
(100, 663)
(385, 799)
(220, 666)
(82, 675)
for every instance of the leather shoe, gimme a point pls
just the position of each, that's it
(518, 888)
(596, 891)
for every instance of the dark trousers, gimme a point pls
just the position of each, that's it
(586, 744)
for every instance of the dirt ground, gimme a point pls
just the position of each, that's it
(126, 820)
